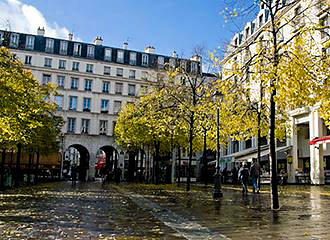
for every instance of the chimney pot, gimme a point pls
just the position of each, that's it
(98, 41)
(41, 31)
(174, 54)
(125, 45)
(70, 36)
(149, 49)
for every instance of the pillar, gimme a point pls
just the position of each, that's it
(316, 151)
(291, 168)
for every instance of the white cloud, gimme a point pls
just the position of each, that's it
(21, 17)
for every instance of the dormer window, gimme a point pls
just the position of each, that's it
(235, 42)
(77, 49)
(107, 54)
(90, 51)
(247, 32)
(145, 60)
(63, 47)
(172, 62)
(160, 61)
(29, 43)
(261, 20)
(132, 58)
(120, 56)
(14, 38)
(262, 6)
(49, 45)
(194, 66)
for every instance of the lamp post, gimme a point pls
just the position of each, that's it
(217, 193)
(62, 155)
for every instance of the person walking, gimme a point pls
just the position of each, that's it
(243, 176)
(74, 174)
(255, 173)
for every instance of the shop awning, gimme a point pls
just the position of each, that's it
(320, 140)
(248, 154)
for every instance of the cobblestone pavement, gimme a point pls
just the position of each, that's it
(131, 211)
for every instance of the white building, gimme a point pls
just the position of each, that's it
(302, 162)
(94, 82)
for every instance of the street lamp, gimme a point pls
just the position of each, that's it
(217, 193)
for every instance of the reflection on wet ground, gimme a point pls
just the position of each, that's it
(130, 211)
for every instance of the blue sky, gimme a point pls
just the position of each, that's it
(167, 25)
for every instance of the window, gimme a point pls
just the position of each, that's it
(90, 51)
(85, 125)
(77, 49)
(144, 75)
(107, 70)
(116, 107)
(59, 102)
(103, 127)
(71, 125)
(261, 20)
(87, 105)
(14, 38)
(63, 47)
(120, 72)
(145, 60)
(104, 106)
(89, 68)
(49, 45)
(75, 66)
(131, 90)
(325, 23)
(119, 88)
(132, 74)
(172, 62)
(120, 56)
(73, 103)
(114, 127)
(132, 58)
(1, 37)
(105, 87)
(74, 83)
(48, 62)
(183, 64)
(62, 64)
(60, 81)
(160, 62)
(194, 66)
(28, 60)
(29, 43)
(88, 85)
(143, 90)
(46, 78)
(107, 54)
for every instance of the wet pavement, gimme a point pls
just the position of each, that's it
(131, 211)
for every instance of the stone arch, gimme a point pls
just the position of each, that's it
(81, 159)
(111, 156)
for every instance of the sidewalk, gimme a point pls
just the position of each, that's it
(138, 211)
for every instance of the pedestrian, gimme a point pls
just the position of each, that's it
(243, 176)
(74, 174)
(117, 175)
(255, 173)
(224, 175)
(234, 175)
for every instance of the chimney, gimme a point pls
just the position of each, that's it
(98, 41)
(174, 54)
(125, 45)
(196, 58)
(41, 31)
(149, 49)
(70, 36)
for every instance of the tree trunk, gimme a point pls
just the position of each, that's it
(191, 138)
(156, 160)
(205, 159)
(37, 168)
(273, 160)
(29, 167)
(2, 169)
(179, 165)
(18, 165)
(141, 166)
(259, 146)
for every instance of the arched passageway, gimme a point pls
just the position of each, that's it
(111, 157)
(77, 155)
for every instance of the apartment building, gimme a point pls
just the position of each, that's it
(94, 82)
(302, 162)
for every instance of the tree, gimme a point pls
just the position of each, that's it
(23, 102)
(273, 56)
